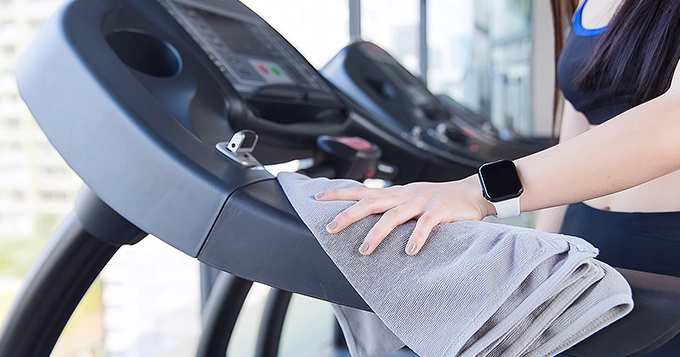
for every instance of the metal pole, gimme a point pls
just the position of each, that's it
(208, 277)
(220, 314)
(423, 41)
(78, 250)
(271, 325)
(354, 20)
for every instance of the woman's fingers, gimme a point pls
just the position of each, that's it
(430, 203)
(366, 206)
(348, 194)
(386, 224)
(424, 227)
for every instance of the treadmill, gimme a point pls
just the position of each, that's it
(143, 99)
(374, 79)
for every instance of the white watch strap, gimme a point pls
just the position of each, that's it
(507, 208)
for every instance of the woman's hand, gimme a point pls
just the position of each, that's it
(430, 203)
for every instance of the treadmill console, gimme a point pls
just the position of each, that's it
(247, 52)
(415, 91)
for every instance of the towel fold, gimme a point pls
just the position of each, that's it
(475, 288)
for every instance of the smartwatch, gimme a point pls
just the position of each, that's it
(501, 186)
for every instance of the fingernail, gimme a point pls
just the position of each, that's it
(331, 226)
(363, 249)
(319, 195)
(411, 248)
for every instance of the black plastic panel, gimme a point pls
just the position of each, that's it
(259, 237)
(142, 137)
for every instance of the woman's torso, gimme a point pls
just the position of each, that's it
(659, 195)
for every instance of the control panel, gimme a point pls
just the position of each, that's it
(247, 52)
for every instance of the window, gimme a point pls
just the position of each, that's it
(55, 170)
(14, 146)
(53, 195)
(30, 211)
(8, 50)
(14, 175)
(13, 123)
(480, 54)
(7, 27)
(318, 29)
(9, 99)
(396, 31)
(36, 24)
(17, 195)
(7, 77)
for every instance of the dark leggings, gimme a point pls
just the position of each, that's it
(640, 241)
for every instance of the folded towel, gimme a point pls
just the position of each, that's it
(475, 288)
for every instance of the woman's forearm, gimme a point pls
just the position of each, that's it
(637, 146)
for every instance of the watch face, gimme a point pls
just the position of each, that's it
(500, 181)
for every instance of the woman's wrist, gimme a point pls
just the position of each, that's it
(473, 189)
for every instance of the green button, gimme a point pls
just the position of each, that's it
(275, 70)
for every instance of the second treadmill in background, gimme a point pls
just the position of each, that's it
(374, 79)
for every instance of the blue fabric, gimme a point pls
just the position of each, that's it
(578, 24)
(640, 241)
(598, 106)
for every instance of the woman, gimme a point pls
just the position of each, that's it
(638, 228)
(619, 148)
(639, 145)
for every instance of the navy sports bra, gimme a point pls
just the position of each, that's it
(597, 106)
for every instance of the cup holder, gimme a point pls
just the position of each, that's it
(145, 53)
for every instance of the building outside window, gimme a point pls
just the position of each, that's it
(393, 25)
(480, 55)
(29, 214)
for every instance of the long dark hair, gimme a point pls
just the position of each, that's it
(641, 45)
(562, 11)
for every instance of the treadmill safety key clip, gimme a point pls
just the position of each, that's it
(240, 147)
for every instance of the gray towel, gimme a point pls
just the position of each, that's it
(475, 288)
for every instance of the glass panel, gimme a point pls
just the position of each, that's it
(308, 328)
(244, 337)
(37, 189)
(318, 29)
(151, 302)
(480, 56)
(393, 25)
(146, 303)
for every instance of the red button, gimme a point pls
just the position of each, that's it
(263, 69)
(356, 143)
(469, 132)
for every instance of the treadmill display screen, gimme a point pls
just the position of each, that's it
(249, 54)
(239, 37)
